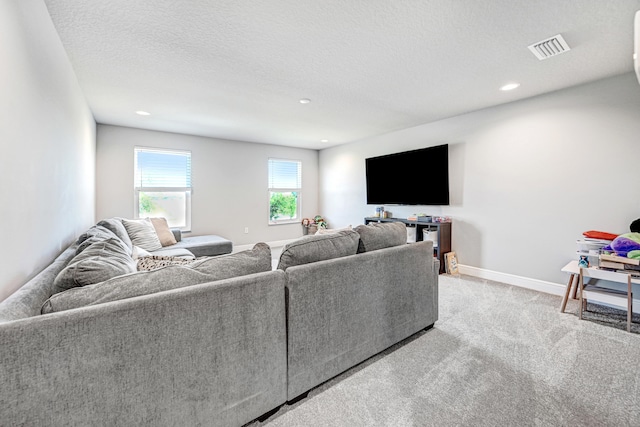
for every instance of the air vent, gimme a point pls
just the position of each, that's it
(549, 47)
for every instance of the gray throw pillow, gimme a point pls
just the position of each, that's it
(95, 234)
(100, 261)
(142, 234)
(318, 247)
(256, 260)
(380, 235)
(116, 227)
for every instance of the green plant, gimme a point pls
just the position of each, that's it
(147, 206)
(283, 205)
(320, 222)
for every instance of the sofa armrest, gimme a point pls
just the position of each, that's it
(177, 234)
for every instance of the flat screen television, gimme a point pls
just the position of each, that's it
(417, 177)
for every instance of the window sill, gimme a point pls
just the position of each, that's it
(285, 222)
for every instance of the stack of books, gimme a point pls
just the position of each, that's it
(619, 264)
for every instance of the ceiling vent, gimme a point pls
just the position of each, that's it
(550, 47)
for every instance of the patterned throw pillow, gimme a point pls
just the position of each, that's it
(142, 234)
(153, 262)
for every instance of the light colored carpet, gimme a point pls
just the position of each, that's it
(498, 356)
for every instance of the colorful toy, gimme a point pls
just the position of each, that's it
(626, 245)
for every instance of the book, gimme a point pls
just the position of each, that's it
(611, 265)
(620, 259)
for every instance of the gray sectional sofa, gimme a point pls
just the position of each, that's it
(220, 341)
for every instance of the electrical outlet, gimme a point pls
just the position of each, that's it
(246, 230)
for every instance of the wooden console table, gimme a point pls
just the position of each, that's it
(442, 229)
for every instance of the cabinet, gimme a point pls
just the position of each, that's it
(442, 229)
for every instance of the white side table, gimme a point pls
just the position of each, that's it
(572, 286)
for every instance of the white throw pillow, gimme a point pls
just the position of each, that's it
(138, 252)
(333, 230)
(142, 234)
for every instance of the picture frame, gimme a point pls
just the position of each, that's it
(451, 263)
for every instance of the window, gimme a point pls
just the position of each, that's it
(163, 186)
(285, 186)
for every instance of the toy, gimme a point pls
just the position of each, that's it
(625, 244)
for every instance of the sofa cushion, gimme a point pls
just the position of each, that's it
(142, 234)
(95, 234)
(208, 245)
(379, 235)
(318, 247)
(97, 263)
(116, 227)
(256, 260)
(163, 231)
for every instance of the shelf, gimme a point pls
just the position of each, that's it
(443, 234)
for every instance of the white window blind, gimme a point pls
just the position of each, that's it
(162, 169)
(285, 174)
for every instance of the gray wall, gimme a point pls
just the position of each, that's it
(526, 178)
(229, 182)
(48, 145)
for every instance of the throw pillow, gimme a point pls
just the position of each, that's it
(138, 252)
(318, 247)
(99, 262)
(256, 260)
(379, 235)
(93, 235)
(333, 230)
(142, 234)
(165, 235)
(116, 227)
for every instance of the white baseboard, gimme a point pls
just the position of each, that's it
(543, 286)
(512, 279)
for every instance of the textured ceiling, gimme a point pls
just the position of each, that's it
(236, 69)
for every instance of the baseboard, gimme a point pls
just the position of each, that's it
(543, 286)
(512, 279)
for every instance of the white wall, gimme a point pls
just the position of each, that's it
(229, 182)
(47, 134)
(526, 178)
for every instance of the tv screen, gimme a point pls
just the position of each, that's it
(418, 177)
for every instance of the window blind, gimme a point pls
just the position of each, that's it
(162, 168)
(285, 174)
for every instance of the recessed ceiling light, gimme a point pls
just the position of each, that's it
(142, 113)
(324, 140)
(510, 86)
(305, 101)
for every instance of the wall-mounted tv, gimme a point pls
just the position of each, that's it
(417, 177)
